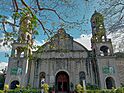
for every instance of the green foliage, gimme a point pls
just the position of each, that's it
(50, 89)
(119, 90)
(24, 91)
(79, 89)
(36, 32)
(23, 15)
(1, 91)
(98, 91)
(46, 88)
(91, 87)
(95, 89)
(16, 15)
(2, 79)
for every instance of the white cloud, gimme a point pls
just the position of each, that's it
(117, 40)
(3, 65)
(38, 43)
(4, 48)
(7, 49)
(85, 40)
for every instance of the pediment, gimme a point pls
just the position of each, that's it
(62, 41)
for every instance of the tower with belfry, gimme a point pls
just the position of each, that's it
(18, 65)
(103, 59)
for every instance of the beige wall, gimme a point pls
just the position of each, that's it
(111, 62)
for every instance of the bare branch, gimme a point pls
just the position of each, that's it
(43, 28)
(7, 22)
(4, 29)
(23, 2)
(49, 9)
(15, 5)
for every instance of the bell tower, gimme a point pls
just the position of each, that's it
(103, 61)
(101, 45)
(22, 47)
(19, 65)
(25, 32)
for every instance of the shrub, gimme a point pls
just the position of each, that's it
(24, 91)
(46, 88)
(120, 90)
(79, 88)
(6, 88)
(1, 91)
(92, 87)
(50, 89)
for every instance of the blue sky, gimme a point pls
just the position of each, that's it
(86, 10)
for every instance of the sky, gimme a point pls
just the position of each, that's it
(83, 37)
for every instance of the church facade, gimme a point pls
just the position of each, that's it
(62, 62)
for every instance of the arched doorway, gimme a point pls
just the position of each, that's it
(62, 82)
(110, 83)
(13, 84)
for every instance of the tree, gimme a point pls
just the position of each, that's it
(114, 14)
(48, 15)
(113, 11)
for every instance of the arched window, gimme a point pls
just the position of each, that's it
(28, 39)
(82, 76)
(42, 78)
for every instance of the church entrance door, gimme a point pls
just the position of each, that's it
(62, 82)
(110, 83)
(14, 84)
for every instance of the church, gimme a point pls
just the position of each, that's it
(62, 62)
